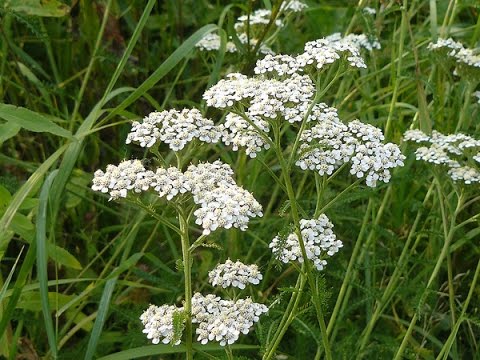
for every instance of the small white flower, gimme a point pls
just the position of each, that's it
(235, 274)
(158, 323)
(118, 180)
(224, 320)
(176, 128)
(318, 238)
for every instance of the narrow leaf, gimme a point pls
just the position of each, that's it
(31, 120)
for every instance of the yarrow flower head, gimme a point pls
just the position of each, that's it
(173, 127)
(293, 6)
(318, 238)
(453, 151)
(211, 42)
(118, 180)
(158, 324)
(467, 60)
(258, 19)
(330, 144)
(223, 204)
(235, 274)
(224, 320)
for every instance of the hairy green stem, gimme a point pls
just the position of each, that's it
(187, 271)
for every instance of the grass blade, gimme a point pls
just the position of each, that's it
(42, 259)
(101, 317)
(22, 194)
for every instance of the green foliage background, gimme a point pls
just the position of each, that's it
(83, 70)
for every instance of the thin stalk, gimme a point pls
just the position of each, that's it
(392, 284)
(448, 344)
(350, 270)
(97, 47)
(287, 318)
(187, 272)
(466, 104)
(403, 30)
(433, 276)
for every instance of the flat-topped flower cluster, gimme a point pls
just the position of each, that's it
(235, 274)
(223, 204)
(467, 60)
(250, 28)
(217, 319)
(330, 144)
(319, 240)
(458, 152)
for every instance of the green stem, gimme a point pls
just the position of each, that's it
(287, 318)
(433, 276)
(448, 344)
(187, 271)
(392, 284)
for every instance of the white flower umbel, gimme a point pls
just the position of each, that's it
(465, 174)
(369, 11)
(173, 127)
(241, 134)
(318, 238)
(293, 6)
(224, 320)
(205, 177)
(330, 144)
(453, 151)
(322, 52)
(223, 204)
(258, 19)
(476, 94)
(158, 323)
(170, 182)
(211, 42)
(449, 46)
(266, 98)
(118, 180)
(280, 65)
(226, 206)
(235, 274)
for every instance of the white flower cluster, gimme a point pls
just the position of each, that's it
(260, 17)
(293, 6)
(176, 128)
(224, 320)
(234, 274)
(158, 323)
(117, 180)
(257, 21)
(369, 11)
(330, 144)
(450, 150)
(223, 204)
(465, 174)
(449, 44)
(467, 60)
(263, 97)
(212, 42)
(241, 134)
(326, 51)
(169, 182)
(318, 238)
(281, 65)
(320, 52)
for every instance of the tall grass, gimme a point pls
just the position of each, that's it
(77, 271)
